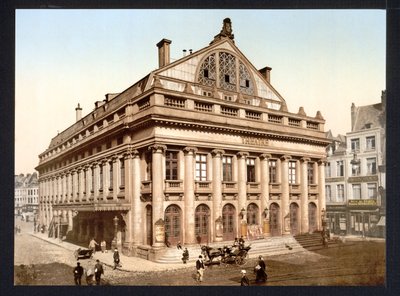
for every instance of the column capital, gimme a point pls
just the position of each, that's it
(86, 167)
(115, 158)
(158, 148)
(243, 154)
(131, 153)
(285, 157)
(189, 149)
(305, 159)
(94, 164)
(103, 161)
(322, 161)
(265, 156)
(73, 171)
(217, 152)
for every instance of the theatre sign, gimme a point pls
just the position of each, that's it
(362, 202)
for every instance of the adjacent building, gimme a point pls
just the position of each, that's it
(355, 176)
(26, 193)
(200, 150)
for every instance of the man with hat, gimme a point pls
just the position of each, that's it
(200, 268)
(244, 281)
(98, 271)
(78, 272)
(116, 258)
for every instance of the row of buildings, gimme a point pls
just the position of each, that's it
(200, 150)
(26, 193)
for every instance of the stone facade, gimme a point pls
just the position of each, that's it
(26, 193)
(200, 150)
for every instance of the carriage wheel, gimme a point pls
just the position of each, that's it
(239, 260)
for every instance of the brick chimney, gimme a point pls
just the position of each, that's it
(163, 52)
(78, 111)
(266, 73)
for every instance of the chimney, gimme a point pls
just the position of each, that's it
(266, 73)
(78, 111)
(184, 52)
(163, 52)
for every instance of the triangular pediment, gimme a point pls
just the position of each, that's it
(222, 66)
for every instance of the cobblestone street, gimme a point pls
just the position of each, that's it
(352, 263)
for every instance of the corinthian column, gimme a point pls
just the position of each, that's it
(242, 197)
(217, 194)
(285, 194)
(304, 227)
(158, 194)
(264, 159)
(321, 187)
(188, 187)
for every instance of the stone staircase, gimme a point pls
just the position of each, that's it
(313, 241)
(266, 247)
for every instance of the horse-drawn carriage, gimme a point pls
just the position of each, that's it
(81, 253)
(226, 255)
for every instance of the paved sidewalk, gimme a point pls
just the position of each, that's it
(131, 264)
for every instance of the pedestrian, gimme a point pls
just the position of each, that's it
(89, 277)
(78, 272)
(103, 246)
(261, 270)
(179, 246)
(98, 271)
(244, 281)
(235, 243)
(200, 269)
(116, 258)
(92, 245)
(185, 256)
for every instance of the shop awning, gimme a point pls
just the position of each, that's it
(382, 221)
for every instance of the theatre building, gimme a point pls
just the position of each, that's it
(200, 150)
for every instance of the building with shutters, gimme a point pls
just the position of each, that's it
(26, 193)
(356, 173)
(200, 150)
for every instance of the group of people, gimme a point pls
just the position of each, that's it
(97, 272)
(260, 270)
(238, 243)
(93, 244)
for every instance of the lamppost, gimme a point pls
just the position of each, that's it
(114, 242)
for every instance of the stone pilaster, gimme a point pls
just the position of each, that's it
(217, 190)
(321, 188)
(264, 181)
(189, 154)
(285, 194)
(304, 227)
(242, 191)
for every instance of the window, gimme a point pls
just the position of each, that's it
(101, 178)
(356, 191)
(252, 214)
(339, 168)
(171, 165)
(371, 166)
(328, 170)
(355, 145)
(205, 73)
(201, 167)
(370, 143)
(372, 190)
(328, 192)
(292, 172)
(148, 158)
(355, 168)
(272, 171)
(310, 173)
(227, 168)
(122, 172)
(111, 174)
(226, 78)
(92, 183)
(251, 170)
(340, 192)
(247, 83)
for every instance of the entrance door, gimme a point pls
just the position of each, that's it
(275, 218)
(228, 222)
(172, 225)
(312, 217)
(201, 221)
(294, 227)
(149, 226)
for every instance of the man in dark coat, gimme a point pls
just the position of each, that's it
(116, 258)
(261, 272)
(78, 272)
(98, 271)
(200, 269)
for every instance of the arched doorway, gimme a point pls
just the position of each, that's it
(149, 226)
(172, 224)
(252, 214)
(201, 223)
(275, 218)
(312, 217)
(294, 219)
(228, 222)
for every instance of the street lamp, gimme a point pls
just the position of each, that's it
(242, 212)
(114, 243)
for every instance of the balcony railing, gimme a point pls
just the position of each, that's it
(275, 187)
(173, 185)
(203, 186)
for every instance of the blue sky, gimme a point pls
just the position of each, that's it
(321, 60)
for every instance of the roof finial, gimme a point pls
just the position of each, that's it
(225, 32)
